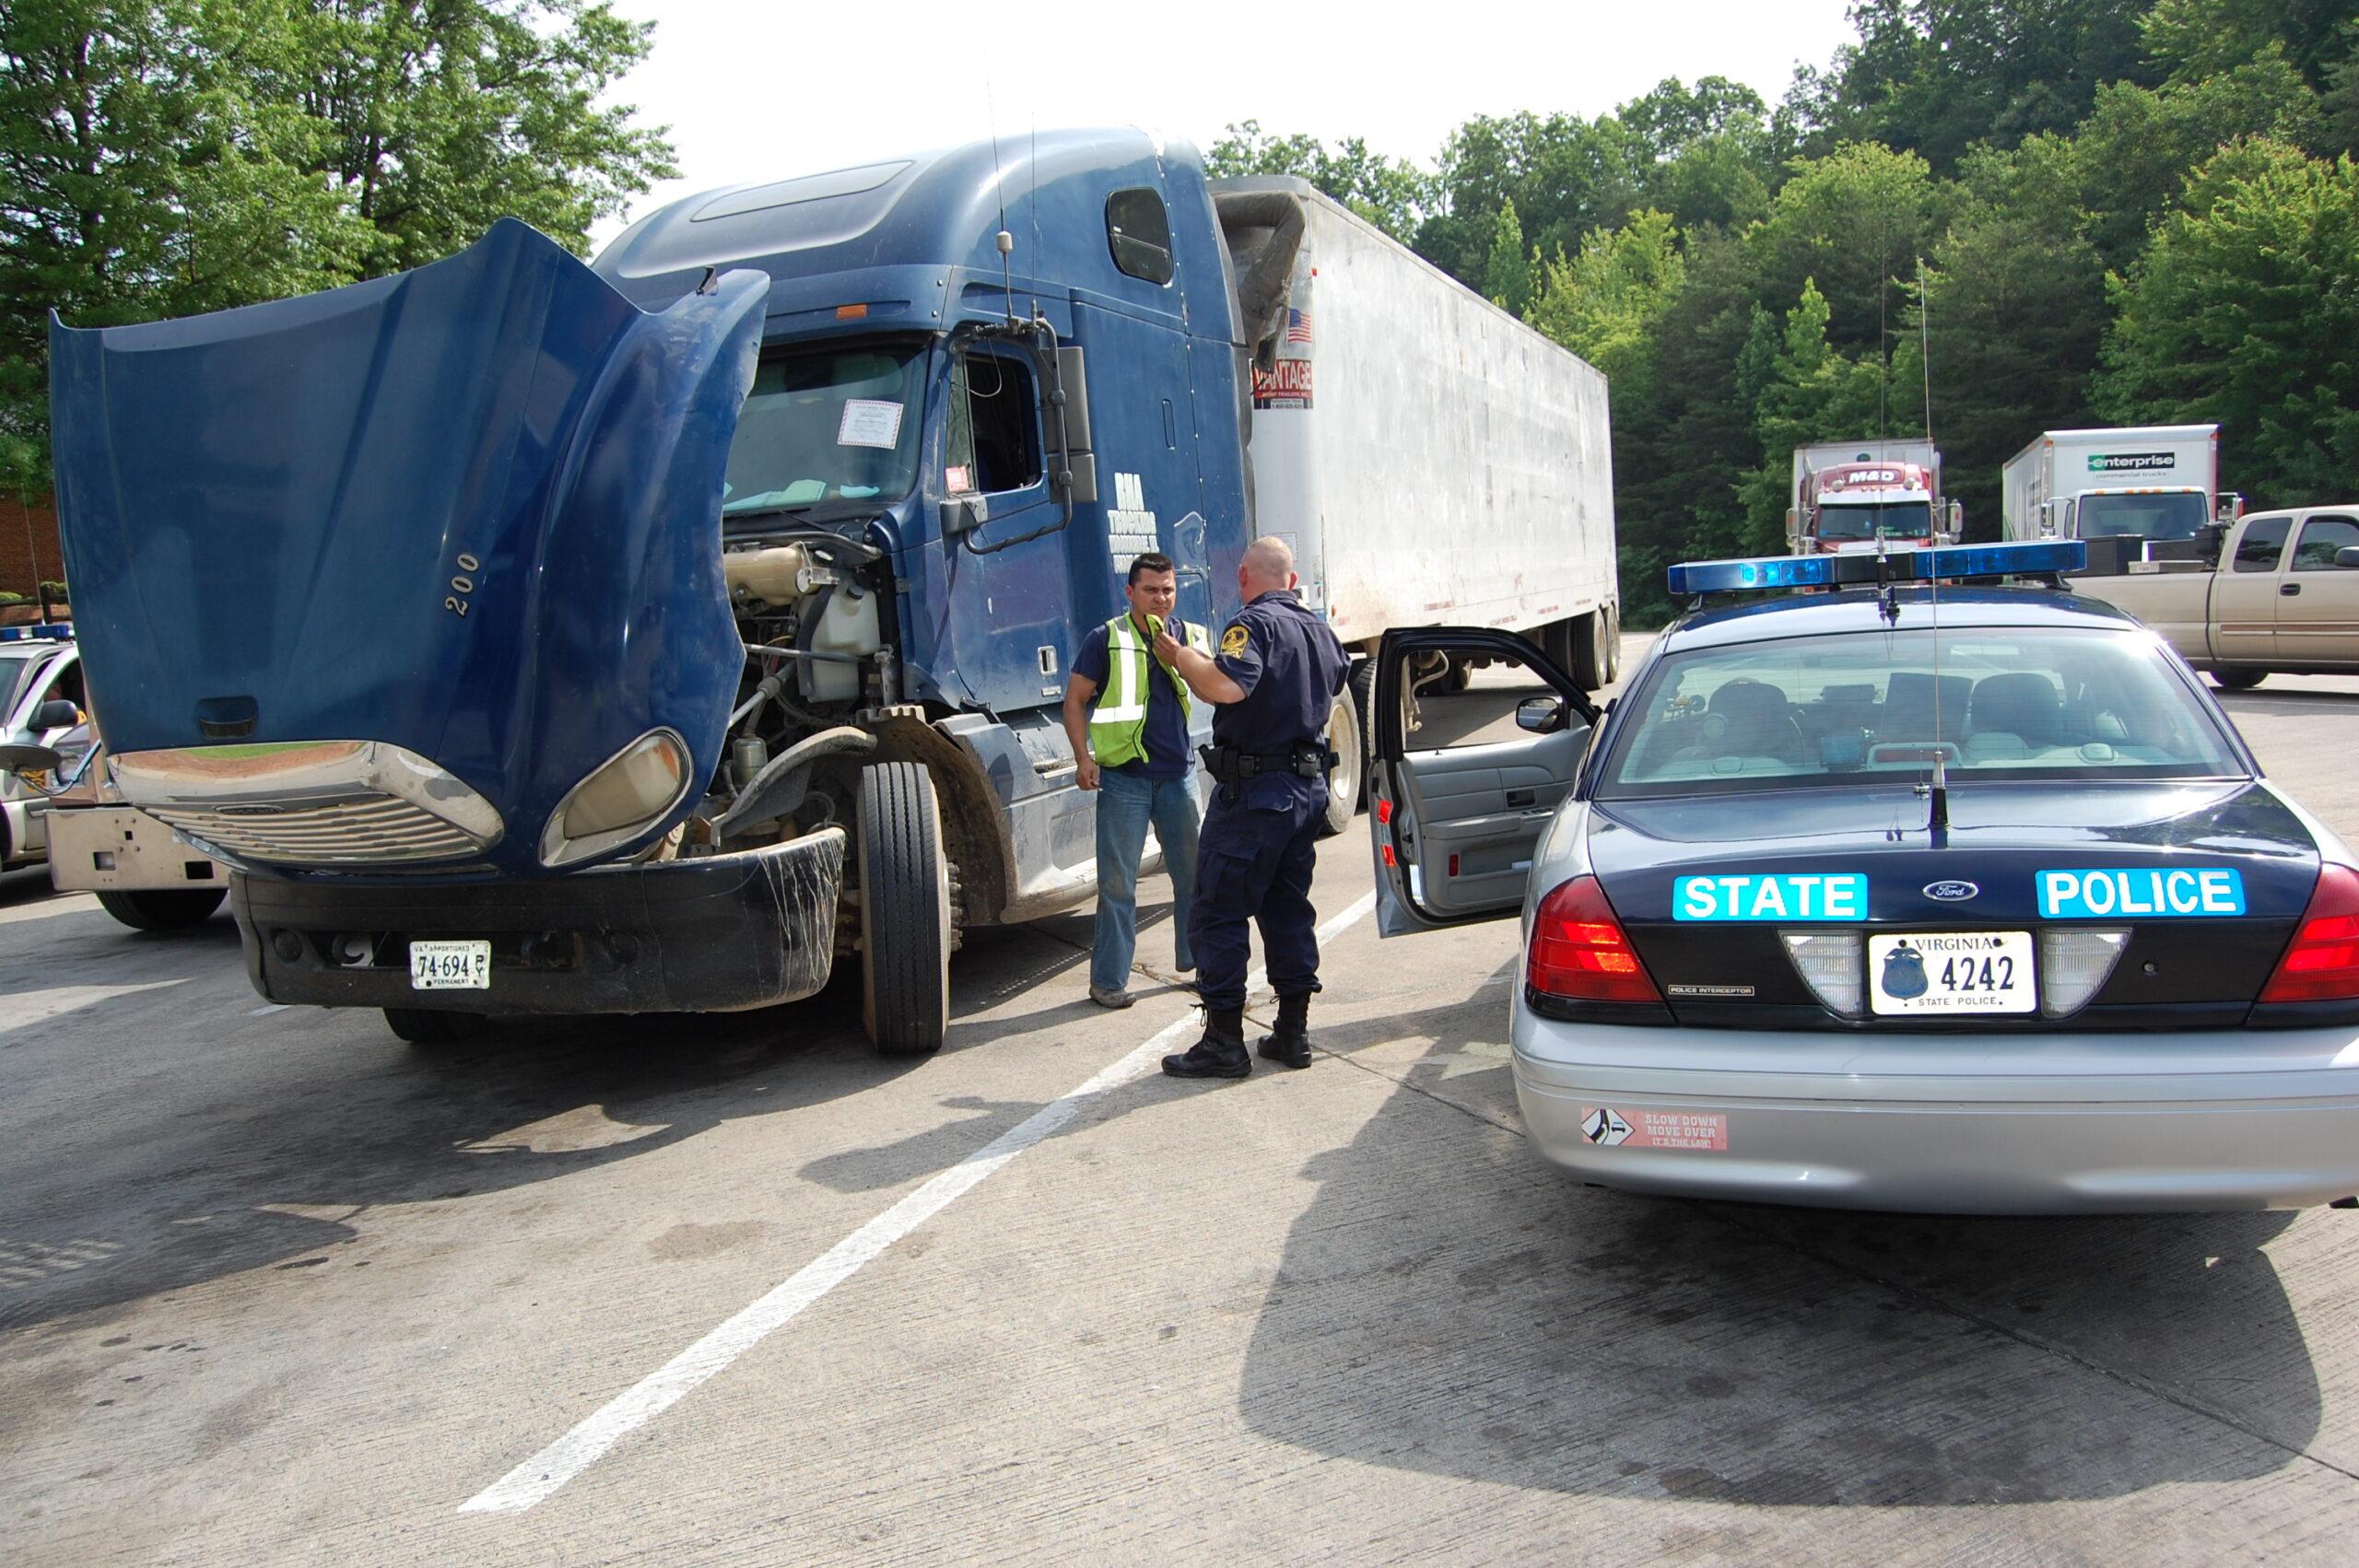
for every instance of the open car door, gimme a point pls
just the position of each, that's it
(1478, 735)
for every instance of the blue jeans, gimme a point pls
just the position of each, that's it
(1126, 803)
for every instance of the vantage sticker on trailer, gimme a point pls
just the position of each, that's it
(2184, 892)
(1842, 895)
(2131, 462)
(1285, 384)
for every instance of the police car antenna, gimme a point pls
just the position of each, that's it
(1938, 816)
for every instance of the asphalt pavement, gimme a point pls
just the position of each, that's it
(276, 1287)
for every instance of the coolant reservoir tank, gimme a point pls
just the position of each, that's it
(774, 575)
(849, 626)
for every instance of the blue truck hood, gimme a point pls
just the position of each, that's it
(265, 512)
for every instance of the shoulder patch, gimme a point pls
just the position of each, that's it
(1233, 641)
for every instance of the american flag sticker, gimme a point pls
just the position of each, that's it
(1297, 327)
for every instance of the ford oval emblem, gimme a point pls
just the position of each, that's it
(1951, 892)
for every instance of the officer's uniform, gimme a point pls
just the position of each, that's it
(1255, 853)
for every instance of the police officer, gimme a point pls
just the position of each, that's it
(1274, 680)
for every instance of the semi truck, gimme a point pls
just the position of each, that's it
(1855, 495)
(2273, 593)
(535, 638)
(2149, 484)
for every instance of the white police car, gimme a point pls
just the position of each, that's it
(1918, 893)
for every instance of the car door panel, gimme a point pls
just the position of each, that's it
(2244, 594)
(1453, 829)
(2317, 607)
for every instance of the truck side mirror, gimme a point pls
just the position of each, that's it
(2347, 558)
(1957, 520)
(964, 514)
(2231, 508)
(30, 758)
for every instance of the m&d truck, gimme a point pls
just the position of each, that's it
(1862, 496)
(536, 638)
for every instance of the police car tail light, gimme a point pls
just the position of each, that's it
(1580, 952)
(2321, 964)
(1834, 964)
(2073, 965)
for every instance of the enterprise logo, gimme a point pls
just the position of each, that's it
(2131, 462)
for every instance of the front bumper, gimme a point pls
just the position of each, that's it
(715, 934)
(2016, 1124)
(110, 848)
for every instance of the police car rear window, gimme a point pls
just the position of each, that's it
(1865, 708)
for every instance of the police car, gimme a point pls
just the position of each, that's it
(1936, 888)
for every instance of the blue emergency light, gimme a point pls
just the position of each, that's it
(46, 631)
(1948, 562)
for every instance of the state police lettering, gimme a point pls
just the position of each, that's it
(2183, 892)
(1835, 895)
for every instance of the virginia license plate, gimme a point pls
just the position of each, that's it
(449, 965)
(1952, 973)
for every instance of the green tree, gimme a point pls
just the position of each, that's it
(2245, 310)
(1604, 301)
(1507, 275)
(1854, 221)
(1396, 196)
(160, 157)
(1807, 392)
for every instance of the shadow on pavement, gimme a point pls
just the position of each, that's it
(160, 1139)
(1448, 1304)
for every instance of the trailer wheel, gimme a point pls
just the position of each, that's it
(903, 912)
(162, 908)
(1589, 642)
(426, 1027)
(1343, 779)
(1613, 614)
(2238, 680)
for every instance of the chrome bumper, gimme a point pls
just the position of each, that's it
(1950, 1124)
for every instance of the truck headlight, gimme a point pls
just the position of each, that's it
(634, 789)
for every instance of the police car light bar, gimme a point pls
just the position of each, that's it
(46, 631)
(1948, 562)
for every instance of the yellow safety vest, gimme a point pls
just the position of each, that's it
(1118, 724)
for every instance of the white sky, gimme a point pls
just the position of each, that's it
(759, 89)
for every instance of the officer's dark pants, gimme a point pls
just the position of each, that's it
(1253, 862)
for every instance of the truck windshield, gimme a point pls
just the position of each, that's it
(1863, 709)
(16, 673)
(2179, 515)
(839, 423)
(1897, 520)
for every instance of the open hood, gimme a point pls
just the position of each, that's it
(470, 511)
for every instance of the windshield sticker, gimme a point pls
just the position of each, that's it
(2108, 895)
(1704, 1132)
(1841, 895)
(869, 422)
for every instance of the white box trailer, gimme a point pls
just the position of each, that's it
(2160, 481)
(1432, 459)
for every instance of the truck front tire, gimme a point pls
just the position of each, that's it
(904, 910)
(2238, 680)
(426, 1027)
(164, 908)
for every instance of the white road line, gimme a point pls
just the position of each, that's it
(269, 1008)
(550, 1468)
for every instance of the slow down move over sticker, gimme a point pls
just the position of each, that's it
(1704, 1131)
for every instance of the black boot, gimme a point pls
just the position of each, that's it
(1220, 1053)
(1289, 1043)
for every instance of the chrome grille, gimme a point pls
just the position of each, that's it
(359, 829)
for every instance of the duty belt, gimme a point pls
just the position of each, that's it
(1306, 759)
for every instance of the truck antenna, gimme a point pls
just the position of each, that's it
(1002, 240)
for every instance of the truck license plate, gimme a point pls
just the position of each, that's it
(449, 965)
(1952, 973)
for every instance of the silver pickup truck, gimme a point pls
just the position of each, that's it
(2283, 596)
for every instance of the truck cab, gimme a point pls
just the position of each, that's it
(1850, 507)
